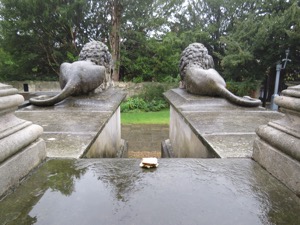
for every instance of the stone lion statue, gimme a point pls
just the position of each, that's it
(198, 76)
(98, 53)
(92, 70)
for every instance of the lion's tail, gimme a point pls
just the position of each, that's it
(242, 101)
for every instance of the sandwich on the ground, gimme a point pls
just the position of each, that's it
(149, 163)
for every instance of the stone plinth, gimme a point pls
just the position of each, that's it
(278, 147)
(81, 126)
(204, 127)
(21, 148)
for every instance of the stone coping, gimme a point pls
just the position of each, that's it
(71, 126)
(226, 129)
(179, 191)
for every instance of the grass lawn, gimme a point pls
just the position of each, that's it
(161, 117)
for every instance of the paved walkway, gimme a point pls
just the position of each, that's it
(144, 140)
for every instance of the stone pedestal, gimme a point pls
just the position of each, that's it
(21, 149)
(205, 127)
(278, 147)
(81, 126)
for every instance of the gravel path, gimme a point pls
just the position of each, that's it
(144, 140)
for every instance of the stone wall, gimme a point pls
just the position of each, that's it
(34, 86)
(108, 144)
(185, 144)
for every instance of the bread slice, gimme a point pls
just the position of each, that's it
(149, 162)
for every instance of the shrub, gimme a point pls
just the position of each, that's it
(133, 104)
(138, 79)
(170, 79)
(137, 104)
(151, 99)
(152, 92)
(156, 105)
(242, 88)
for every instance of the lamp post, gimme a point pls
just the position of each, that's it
(279, 67)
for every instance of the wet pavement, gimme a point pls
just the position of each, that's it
(144, 140)
(179, 191)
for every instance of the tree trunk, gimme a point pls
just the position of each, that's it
(116, 14)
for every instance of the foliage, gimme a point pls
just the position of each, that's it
(171, 80)
(161, 117)
(258, 42)
(6, 65)
(245, 38)
(245, 88)
(38, 35)
(151, 99)
(138, 79)
(137, 104)
(133, 103)
(153, 60)
(153, 92)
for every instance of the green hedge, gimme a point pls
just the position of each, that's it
(243, 88)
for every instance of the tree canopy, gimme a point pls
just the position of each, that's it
(146, 37)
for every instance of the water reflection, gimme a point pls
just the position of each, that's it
(274, 202)
(55, 175)
(120, 177)
(253, 187)
(88, 201)
(179, 191)
(102, 192)
(62, 176)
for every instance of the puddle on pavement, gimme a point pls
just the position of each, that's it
(179, 191)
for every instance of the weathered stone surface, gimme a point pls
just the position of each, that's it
(72, 126)
(9, 102)
(11, 124)
(290, 99)
(281, 140)
(179, 191)
(280, 165)
(199, 77)
(232, 145)
(7, 90)
(277, 148)
(93, 69)
(195, 54)
(34, 86)
(77, 78)
(98, 53)
(19, 165)
(108, 140)
(21, 150)
(185, 143)
(18, 140)
(221, 127)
